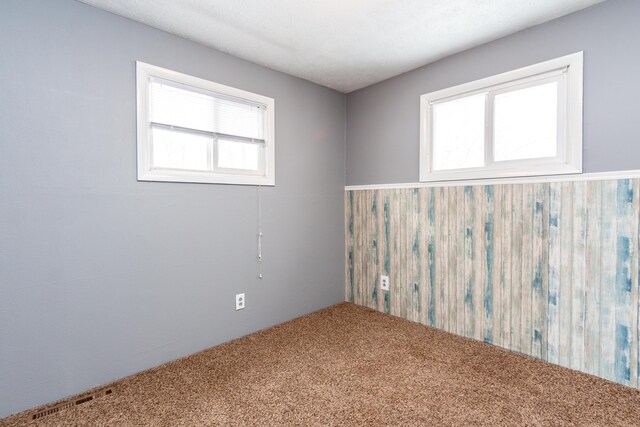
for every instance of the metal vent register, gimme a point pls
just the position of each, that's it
(69, 403)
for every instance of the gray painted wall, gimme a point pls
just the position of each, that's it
(102, 276)
(383, 120)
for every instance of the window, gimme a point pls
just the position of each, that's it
(194, 130)
(521, 123)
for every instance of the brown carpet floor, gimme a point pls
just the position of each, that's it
(350, 366)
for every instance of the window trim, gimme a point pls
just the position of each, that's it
(569, 158)
(146, 172)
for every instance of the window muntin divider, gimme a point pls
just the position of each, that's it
(488, 131)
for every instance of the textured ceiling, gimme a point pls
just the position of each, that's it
(342, 44)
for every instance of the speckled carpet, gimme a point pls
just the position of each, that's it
(350, 366)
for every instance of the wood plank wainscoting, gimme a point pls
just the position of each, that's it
(548, 269)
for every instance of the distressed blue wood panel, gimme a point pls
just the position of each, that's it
(479, 248)
(469, 270)
(366, 249)
(349, 245)
(431, 255)
(403, 268)
(387, 249)
(505, 279)
(460, 259)
(566, 242)
(527, 278)
(488, 264)
(372, 273)
(578, 266)
(424, 255)
(516, 268)
(496, 273)
(442, 267)
(540, 260)
(593, 277)
(452, 245)
(623, 289)
(360, 249)
(416, 231)
(609, 228)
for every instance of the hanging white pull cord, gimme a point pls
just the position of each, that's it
(259, 233)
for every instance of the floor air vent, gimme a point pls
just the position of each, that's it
(74, 401)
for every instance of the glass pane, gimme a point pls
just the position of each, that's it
(526, 123)
(458, 133)
(176, 150)
(238, 155)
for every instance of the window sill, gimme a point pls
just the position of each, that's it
(205, 178)
(502, 172)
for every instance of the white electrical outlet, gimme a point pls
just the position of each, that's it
(239, 302)
(384, 283)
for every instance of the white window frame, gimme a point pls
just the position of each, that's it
(146, 172)
(567, 70)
